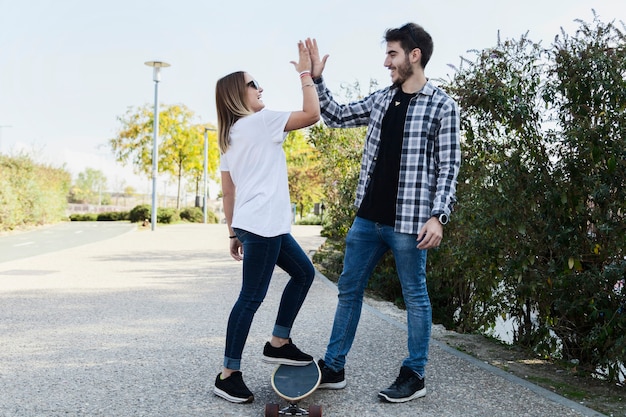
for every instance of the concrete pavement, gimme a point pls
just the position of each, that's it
(134, 326)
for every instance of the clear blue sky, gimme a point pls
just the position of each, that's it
(68, 68)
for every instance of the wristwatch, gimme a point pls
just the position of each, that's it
(442, 217)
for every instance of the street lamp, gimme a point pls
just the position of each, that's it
(206, 168)
(156, 76)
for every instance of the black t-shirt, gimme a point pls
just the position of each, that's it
(379, 203)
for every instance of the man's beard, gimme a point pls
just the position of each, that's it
(403, 72)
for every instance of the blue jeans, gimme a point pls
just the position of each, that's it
(260, 255)
(366, 243)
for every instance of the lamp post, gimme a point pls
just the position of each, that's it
(206, 170)
(156, 76)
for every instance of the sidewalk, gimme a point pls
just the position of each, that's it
(135, 325)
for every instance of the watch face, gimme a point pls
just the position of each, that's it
(443, 218)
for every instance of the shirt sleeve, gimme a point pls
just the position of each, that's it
(275, 122)
(448, 154)
(224, 163)
(343, 115)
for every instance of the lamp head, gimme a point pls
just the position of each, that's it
(156, 66)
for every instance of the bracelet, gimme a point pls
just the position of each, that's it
(308, 85)
(232, 237)
(305, 73)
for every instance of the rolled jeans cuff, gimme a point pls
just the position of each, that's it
(230, 363)
(281, 332)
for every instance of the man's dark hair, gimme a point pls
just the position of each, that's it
(412, 36)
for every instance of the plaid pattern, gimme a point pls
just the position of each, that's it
(431, 153)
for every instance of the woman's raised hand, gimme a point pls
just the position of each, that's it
(304, 61)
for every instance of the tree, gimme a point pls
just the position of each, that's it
(305, 183)
(31, 193)
(181, 143)
(340, 153)
(90, 187)
(195, 167)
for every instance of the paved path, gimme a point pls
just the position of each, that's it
(24, 244)
(134, 326)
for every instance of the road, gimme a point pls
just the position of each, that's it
(60, 236)
(135, 325)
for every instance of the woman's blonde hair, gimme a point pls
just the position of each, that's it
(230, 93)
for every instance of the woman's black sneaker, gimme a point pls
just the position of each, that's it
(407, 387)
(233, 388)
(287, 354)
(331, 379)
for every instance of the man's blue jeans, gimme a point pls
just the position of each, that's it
(260, 255)
(366, 243)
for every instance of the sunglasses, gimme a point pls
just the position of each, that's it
(254, 85)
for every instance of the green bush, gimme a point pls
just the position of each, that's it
(340, 154)
(143, 212)
(167, 215)
(196, 215)
(540, 234)
(192, 214)
(31, 193)
(140, 213)
(112, 216)
(212, 217)
(83, 217)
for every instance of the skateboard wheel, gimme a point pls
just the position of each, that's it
(271, 410)
(315, 411)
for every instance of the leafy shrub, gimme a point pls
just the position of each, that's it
(167, 215)
(31, 193)
(196, 215)
(140, 213)
(83, 217)
(112, 216)
(193, 214)
(212, 217)
(340, 154)
(540, 232)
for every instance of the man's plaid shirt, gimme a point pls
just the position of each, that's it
(431, 154)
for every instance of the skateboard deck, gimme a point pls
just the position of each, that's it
(294, 383)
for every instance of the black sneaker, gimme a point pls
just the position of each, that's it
(233, 388)
(407, 387)
(331, 379)
(287, 354)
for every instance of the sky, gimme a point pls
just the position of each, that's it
(70, 68)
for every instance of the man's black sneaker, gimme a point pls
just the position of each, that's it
(287, 354)
(407, 387)
(233, 388)
(331, 379)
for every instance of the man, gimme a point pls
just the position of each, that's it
(405, 194)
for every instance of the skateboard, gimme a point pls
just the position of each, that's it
(294, 383)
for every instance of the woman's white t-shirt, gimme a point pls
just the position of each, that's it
(257, 165)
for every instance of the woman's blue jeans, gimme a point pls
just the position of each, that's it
(260, 255)
(366, 243)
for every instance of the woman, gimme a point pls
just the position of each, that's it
(258, 212)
